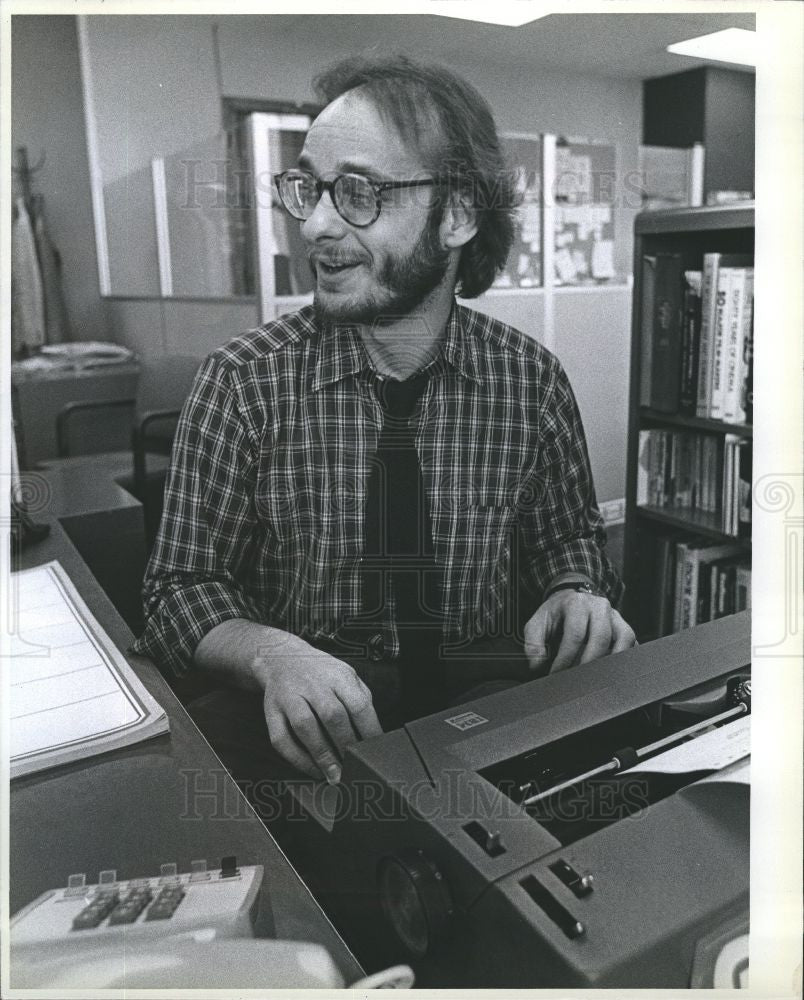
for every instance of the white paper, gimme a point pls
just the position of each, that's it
(711, 751)
(72, 692)
(603, 259)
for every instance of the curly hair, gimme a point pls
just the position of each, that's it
(453, 128)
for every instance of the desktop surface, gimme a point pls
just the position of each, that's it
(166, 800)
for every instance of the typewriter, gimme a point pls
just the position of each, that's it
(587, 829)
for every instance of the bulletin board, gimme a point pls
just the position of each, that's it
(524, 266)
(584, 213)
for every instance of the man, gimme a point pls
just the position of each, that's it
(384, 497)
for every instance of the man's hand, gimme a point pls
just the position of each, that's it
(315, 706)
(582, 626)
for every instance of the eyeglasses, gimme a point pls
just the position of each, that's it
(357, 199)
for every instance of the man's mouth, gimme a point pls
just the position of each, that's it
(336, 265)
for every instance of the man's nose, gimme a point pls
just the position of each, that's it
(324, 222)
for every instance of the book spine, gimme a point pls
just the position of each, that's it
(748, 363)
(684, 472)
(690, 343)
(665, 575)
(718, 449)
(643, 469)
(722, 319)
(714, 576)
(666, 351)
(706, 474)
(708, 308)
(722, 592)
(689, 600)
(743, 588)
(731, 590)
(728, 485)
(672, 476)
(704, 577)
(733, 348)
(745, 466)
(678, 590)
(659, 467)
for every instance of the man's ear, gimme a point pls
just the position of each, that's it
(459, 223)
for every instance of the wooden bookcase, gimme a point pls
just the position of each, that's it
(691, 232)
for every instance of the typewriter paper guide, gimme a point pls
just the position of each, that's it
(73, 695)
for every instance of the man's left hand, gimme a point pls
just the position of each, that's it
(584, 627)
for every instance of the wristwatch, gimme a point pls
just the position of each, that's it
(579, 586)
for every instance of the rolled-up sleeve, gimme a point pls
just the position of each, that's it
(561, 525)
(191, 583)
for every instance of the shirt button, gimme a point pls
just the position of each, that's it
(376, 647)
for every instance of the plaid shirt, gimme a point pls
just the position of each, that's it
(264, 503)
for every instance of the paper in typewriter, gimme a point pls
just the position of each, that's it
(715, 750)
(73, 695)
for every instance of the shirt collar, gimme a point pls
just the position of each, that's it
(341, 351)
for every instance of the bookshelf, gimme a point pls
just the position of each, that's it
(651, 529)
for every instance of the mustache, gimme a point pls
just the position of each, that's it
(336, 258)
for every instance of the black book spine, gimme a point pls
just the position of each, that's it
(690, 349)
(667, 312)
(744, 460)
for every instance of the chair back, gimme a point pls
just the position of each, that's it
(164, 384)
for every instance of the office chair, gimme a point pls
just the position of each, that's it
(163, 385)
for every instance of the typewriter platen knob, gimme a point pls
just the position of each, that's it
(415, 899)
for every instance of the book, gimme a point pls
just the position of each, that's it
(696, 559)
(680, 582)
(643, 468)
(712, 262)
(741, 295)
(690, 342)
(708, 307)
(742, 588)
(747, 397)
(646, 331)
(73, 694)
(729, 492)
(744, 472)
(662, 335)
(665, 576)
(723, 300)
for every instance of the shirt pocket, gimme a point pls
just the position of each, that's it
(473, 545)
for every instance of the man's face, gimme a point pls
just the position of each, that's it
(385, 270)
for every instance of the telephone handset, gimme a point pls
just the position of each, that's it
(171, 931)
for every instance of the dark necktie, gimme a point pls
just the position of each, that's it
(398, 530)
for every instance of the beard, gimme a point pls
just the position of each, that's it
(403, 283)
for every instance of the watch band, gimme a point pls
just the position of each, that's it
(579, 586)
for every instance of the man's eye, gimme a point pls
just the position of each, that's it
(362, 196)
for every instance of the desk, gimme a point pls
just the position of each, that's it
(133, 809)
(102, 519)
(40, 395)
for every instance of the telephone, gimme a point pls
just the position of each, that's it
(171, 931)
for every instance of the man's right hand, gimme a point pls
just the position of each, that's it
(315, 706)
